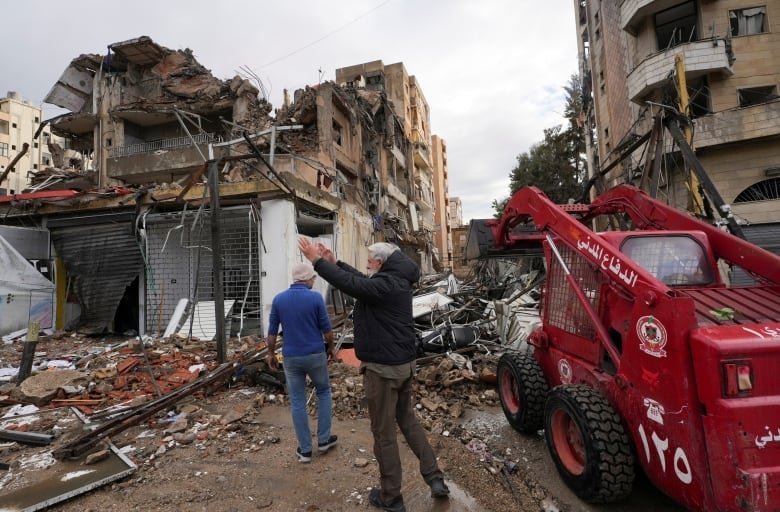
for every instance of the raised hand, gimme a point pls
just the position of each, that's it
(326, 253)
(310, 251)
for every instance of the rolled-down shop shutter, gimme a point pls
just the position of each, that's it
(766, 236)
(102, 258)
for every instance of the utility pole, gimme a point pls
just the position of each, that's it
(216, 247)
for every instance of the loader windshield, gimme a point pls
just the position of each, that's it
(675, 260)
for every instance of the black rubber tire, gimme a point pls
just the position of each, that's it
(599, 466)
(523, 391)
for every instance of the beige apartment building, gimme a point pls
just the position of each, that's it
(730, 54)
(441, 216)
(406, 96)
(19, 121)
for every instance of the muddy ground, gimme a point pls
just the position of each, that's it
(238, 453)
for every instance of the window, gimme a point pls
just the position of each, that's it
(699, 97)
(756, 95)
(13, 147)
(337, 133)
(3, 149)
(35, 119)
(676, 25)
(35, 166)
(35, 144)
(762, 191)
(13, 125)
(675, 260)
(745, 22)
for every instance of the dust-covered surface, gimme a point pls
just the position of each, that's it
(233, 448)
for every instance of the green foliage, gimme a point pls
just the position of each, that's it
(556, 164)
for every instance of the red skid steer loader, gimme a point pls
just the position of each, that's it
(646, 355)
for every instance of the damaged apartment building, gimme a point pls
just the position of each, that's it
(166, 148)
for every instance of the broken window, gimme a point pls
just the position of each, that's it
(338, 133)
(676, 25)
(756, 95)
(699, 97)
(745, 22)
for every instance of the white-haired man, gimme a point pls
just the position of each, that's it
(385, 343)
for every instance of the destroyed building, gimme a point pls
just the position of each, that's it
(130, 230)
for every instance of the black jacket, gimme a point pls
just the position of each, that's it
(384, 327)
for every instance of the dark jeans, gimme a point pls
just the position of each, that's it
(390, 402)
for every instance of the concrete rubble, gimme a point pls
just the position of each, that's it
(106, 377)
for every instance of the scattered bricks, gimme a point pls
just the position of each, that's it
(96, 457)
(122, 381)
(456, 410)
(487, 375)
(104, 373)
(429, 404)
(127, 365)
(452, 377)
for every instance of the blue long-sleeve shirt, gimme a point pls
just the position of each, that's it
(303, 316)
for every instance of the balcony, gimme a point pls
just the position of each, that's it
(422, 156)
(632, 12)
(738, 125)
(701, 58)
(158, 160)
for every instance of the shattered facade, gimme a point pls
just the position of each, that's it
(628, 52)
(132, 228)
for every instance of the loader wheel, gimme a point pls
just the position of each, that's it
(588, 444)
(523, 390)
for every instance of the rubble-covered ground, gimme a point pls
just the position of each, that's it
(232, 447)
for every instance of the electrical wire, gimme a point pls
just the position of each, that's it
(339, 29)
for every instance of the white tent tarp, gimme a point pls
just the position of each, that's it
(25, 295)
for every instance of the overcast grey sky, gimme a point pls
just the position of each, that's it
(492, 71)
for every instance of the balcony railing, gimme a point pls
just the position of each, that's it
(164, 144)
(701, 57)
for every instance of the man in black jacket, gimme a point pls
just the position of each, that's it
(385, 343)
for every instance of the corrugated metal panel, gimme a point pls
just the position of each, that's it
(101, 260)
(766, 236)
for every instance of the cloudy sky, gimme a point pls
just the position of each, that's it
(491, 70)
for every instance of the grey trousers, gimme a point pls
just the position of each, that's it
(390, 403)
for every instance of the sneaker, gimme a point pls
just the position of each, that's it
(324, 447)
(396, 505)
(303, 456)
(438, 488)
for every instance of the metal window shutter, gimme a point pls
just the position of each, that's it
(766, 236)
(102, 259)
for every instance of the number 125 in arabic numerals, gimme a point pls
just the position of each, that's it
(682, 468)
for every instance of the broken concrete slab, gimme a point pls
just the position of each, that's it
(42, 387)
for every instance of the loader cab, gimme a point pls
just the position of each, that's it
(681, 259)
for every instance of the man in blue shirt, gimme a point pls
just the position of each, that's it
(304, 319)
